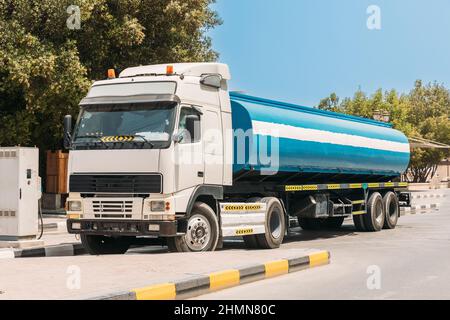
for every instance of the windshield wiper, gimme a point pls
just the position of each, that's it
(143, 138)
(98, 139)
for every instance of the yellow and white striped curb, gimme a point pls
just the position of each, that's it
(216, 281)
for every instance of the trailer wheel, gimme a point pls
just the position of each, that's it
(375, 216)
(333, 223)
(202, 232)
(102, 245)
(358, 221)
(391, 209)
(275, 225)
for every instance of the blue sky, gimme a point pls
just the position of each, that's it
(302, 50)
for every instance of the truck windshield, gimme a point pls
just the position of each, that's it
(142, 125)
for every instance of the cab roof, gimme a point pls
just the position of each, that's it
(186, 69)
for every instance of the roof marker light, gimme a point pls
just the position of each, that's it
(111, 74)
(169, 70)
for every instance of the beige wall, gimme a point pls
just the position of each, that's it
(443, 171)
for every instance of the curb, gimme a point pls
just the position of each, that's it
(424, 207)
(203, 284)
(63, 250)
(428, 196)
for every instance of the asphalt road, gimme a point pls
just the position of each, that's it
(411, 262)
(407, 263)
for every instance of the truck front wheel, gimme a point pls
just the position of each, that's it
(102, 245)
(202, 232)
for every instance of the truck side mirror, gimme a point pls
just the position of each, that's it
(193, 127)
(177, 138)
(67, 132)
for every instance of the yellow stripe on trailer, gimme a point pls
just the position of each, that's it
(242, 207)
(244, 232)
(389, 184)
(311, 188)
(374, 185)
(294, 188)
(334, 186)
(358, 202)
(356, 186)
(358, 213)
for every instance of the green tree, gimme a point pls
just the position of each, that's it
(423, 113)
(46, 68)
(429, 118)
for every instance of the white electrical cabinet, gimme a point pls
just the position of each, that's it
(20, 191)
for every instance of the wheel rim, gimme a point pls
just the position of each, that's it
(198, 233)
(379, 212)
(275, 224)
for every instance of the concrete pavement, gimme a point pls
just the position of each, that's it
(411, 260)
(84, 277)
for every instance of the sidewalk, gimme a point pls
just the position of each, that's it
(58, 278)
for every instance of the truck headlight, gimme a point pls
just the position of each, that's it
(157, 206)
(75, 206)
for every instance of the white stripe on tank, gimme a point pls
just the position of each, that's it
(321, 136)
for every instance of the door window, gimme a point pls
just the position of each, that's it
(190, 114)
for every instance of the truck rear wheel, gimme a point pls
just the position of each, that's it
(391, 209)
(102, 245)
(358, 220)
(202, 232)
(275, 225)
(375, 216)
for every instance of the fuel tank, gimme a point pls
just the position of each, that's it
(286, 139)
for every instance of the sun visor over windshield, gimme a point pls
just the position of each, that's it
(130, 99)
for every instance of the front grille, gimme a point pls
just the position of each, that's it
(130, 184)
(112, 206)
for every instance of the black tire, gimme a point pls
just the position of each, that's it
(391, 209)
(202, 226)
(102, 245)
(312, 224)
(275, 225)
(250, 241)
(307, 224)
(333, 223)
(358, 220)
(374, 218)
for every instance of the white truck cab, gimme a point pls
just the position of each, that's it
(147, 145)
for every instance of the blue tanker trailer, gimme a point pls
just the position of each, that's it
(314, 145)
(324, 165)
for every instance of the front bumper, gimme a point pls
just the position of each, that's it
(132, 228)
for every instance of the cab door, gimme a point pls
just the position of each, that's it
(189, 157)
